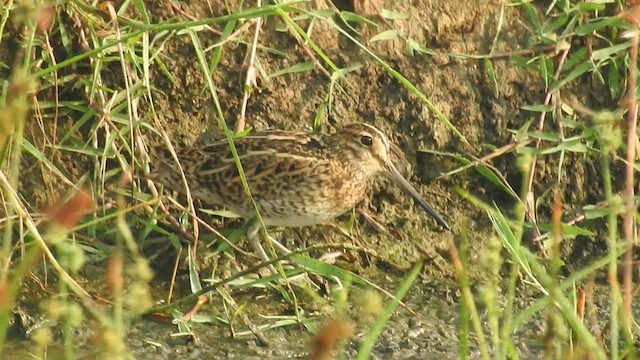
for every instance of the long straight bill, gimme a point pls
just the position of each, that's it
(397, 178)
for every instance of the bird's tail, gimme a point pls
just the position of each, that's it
(164, 167)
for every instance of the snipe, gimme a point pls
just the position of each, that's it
(295, 178)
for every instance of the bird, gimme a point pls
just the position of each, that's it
(296, 179)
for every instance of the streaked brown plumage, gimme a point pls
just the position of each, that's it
(295, 178)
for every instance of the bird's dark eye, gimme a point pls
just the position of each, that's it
(366, 140)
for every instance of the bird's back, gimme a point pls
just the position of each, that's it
(294, 178)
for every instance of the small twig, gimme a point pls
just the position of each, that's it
(371, 221)
(524, 52)
(251, 75)
(174, 276)
(128, 75)
(632, 115)
(485, 159)
(56, 91)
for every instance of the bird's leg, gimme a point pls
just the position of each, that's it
(254, 228)
(253, 235)
(281, 248)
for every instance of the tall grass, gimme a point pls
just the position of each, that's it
(590, 42)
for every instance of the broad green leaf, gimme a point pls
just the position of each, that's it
(537, 108)
(496, 180)
(320, 14)
(82, 148)
(594, 26)
(545, 136)
(297, 68)
(29, 148)
(590, 6)
(413, 47)
(194, 277)
(571, 145)
(208, 319)
(392, 15)
(609, 52)
(578, 56)
(350, 16)
(385, 35)
(579, 70)
(491, 73)
(570, 230)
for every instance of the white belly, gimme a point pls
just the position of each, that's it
(284, 216)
